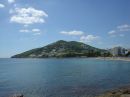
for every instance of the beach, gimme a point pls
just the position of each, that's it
(115, 58)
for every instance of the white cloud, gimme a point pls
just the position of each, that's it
(32, 31)
(125, 30)
(27, 16)
(2, 5)
(123, 26)
(36, 30)
(119, 30)
(72, 33)
(89, 38)
(11, 1)
(24, 30)
(112, 32)
(25, 26)
(37, 33)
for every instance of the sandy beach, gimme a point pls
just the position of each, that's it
(114, 58)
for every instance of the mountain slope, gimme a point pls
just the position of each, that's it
(63, 49)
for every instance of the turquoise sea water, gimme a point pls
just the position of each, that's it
(73, 77)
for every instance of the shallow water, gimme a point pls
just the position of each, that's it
(73, 77)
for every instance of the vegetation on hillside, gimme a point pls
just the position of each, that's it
(64, 49)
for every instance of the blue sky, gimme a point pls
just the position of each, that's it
(27, 24)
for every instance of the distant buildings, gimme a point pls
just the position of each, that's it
(128, 54)
(118, 51)
(128, 50)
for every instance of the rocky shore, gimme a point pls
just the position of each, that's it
(18, 95)
(122, 92)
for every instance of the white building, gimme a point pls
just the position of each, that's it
(118, 51)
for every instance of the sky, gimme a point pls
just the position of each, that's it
(28, 24)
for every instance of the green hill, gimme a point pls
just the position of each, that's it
(63, 48)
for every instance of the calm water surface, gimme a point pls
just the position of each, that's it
(74, 77)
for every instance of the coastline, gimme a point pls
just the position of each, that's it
(115, 58)
(120, 92)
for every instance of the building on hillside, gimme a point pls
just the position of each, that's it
(128, 53)
(118, 51)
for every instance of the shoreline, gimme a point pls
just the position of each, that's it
(101, 58)
(115, 58)
(120, 92)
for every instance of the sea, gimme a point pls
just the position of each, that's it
(61, 77)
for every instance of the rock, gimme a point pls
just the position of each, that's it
(121, 92)
(126, 92)
(18, 95)
(125, 95)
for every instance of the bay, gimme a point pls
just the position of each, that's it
(65, 77)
